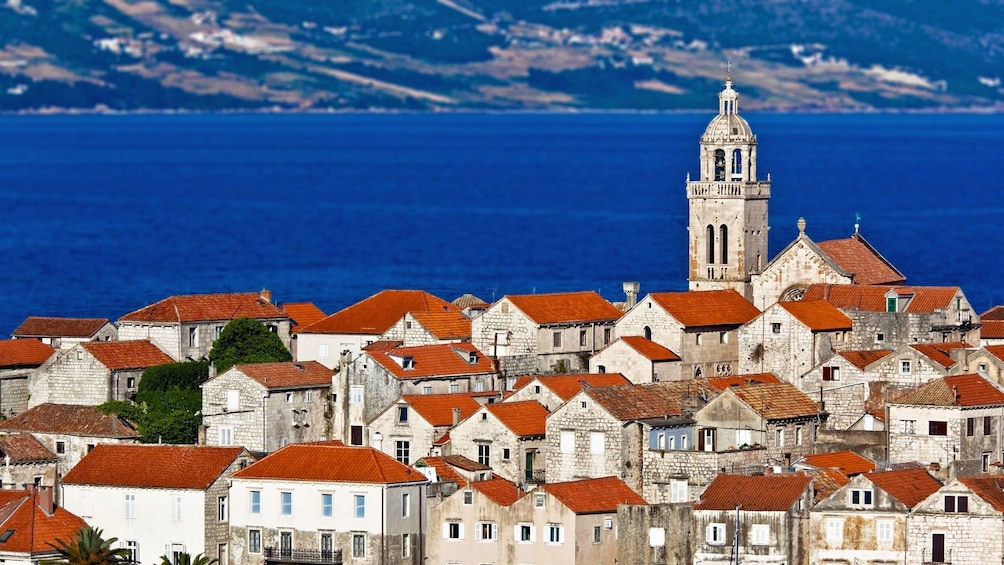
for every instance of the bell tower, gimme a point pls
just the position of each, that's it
(728, 205)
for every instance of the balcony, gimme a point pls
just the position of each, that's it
(534, 476)
(728, 189)
(307, 556)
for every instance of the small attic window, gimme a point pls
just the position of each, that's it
(6, 535)
(472, 358)
(505, 307)
(892, 304)
(408, 362)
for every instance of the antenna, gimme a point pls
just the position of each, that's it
(857, 221)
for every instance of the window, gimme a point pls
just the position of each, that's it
(356, 434)
(672, 442)
(289, 398)
(505, 453)
(176, 508)
(608, 523)
(711, 229)
(308, 396)
(359, 505)
(221, 509)
(596, 534)
(555, 533)
(935, 428)
(861, 497)
(402, 451)
(454, 388)
(597, 443)
(683, 442)
(556, 339)
(468, 498)
(484, 454)
(744, 437)
(286, 503)
(904, 367)
(970, 426)
(723, 230)
(538, 500)
(326, 507)
(233, 401)
(831, 373)
(130, 506)
(678, 491)
(698, 338)
(356, 395)
(405, 505)
(254, 541)
(880, 337)
(226, 435)
(606, 336)
(955, 503)
(985, 461)
(256, 502)
(60, 447)
(486, 531)
(723, 337)
(405, 545)
(133, 548)
(567, 442)
(891, 304)
(715, 534)
(193, 337)
(909, 426)
(453, 530)
(779, 437)
(327, 546)
(798, 436)
(648, 331)
(131, 383)
(775, 327)
(883, 530)
(760, 534)
(834, 530)
(536, 389)
(358, 545)
(426, 389)
(986, 425)
(524, 533)
(582, 338)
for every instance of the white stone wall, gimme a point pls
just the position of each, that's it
(503, 321)
(846, 399)
(697, 468)
(919, 445)
(550, 400)
(245, 422)
(859, 532)
(581, 463)
(972, 538)
(74, 378)
(787, 536)
(327, 349)
(789, 352)
(922, 369)
(984, 362)
(483, 428)
(165, 336)
(746, 220)
(409, 331)
(416, 430)
(798, 266)
(666, 331)
(14, 390)
(620, 357)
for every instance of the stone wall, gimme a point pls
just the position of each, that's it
(798, 266)
(698, 468)
(658, 534)
(74, 378)
(571, 417)
(246, 421)
(14, 391)
(776, 342)
(665, 330)
(165, 336)
(483, 428)
(217, 530)
(502, 330)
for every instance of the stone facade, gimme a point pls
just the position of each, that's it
(788, 275)
(190, 340)
(77, 377)
(408, 439)
(891, 330)
(786, 539)
(654, 535)
(985, 363)
(474, 511)
(846, 390)
(672, 476)
(579, 421)
(961, 440)
(777, 342)
(14, 390)
(484, 438)
(970, 537)
(619, 357)
(410, 331)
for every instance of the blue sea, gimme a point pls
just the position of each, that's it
(103, 214)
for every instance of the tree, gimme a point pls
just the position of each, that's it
(245, 340)
(187, 559)
(88, 548)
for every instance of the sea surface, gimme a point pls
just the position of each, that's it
(103, 214)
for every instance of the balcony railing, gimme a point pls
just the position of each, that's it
(534, 476)
(728, 189)
(311, 556)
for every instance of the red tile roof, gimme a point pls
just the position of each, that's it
(593, 496)
(439, 360)
(848, 462)
(567, 386)
(722, 383)
(525, 419)
(909, 486)
(331, 463)
(855, 255)
(23, 353)
(988, 487)
(469, 301)
(862, 359)
(24, 448)
(940, 353)
(565, 307)
(992, 329)
(461, 462)
(776, 401)
(649, 349)
(817, 315)
(499, 490)
(376, 314)
(444, 471)
(153, 466)
(925, 299)
(706, 308)
(444, 325)
(766, 493)
(995, 313)
(205, 308)
(121, 355)
(996, 350)
(383, 345)
(42, 326)
(273, 376)
(956, 390)
(302, 314)
(33, 529)
(437, 409)
(825, 482)
(642, 402)
(69, 419)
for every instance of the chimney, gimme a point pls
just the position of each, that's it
(631, 292)
(266, 295)
(212, 370)
(378, 441)
(45, 500)
(456, 416)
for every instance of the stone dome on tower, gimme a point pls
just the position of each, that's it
(728, 126)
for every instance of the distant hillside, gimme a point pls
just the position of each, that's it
(499, 54)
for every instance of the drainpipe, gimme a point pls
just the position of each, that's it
(383, 527)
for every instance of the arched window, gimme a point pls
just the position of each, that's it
(725, 244)
(711, 245)
(648, 332)
(719, 164)
(737, 164)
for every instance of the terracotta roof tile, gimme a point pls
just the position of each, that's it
(862, 359)
(469, 301)
(909, 486)
(848, 462)
(23, 353)
(593, 496)
(642, 402)
(767, 493)
(925, 299)
(817, 315)
(302, 314)
(41, 326)
(992, 329)
(439, 360)
(525, 419)
(442, 440)
(995, 313)
(996, 350)
(988, 487)
(650, 349)
(376, 314)
(305, 374)
(437, 409)
(499, 490)
(776, 401)
(33, 530)
(153, 466)
(206, 307)
(939, 352)
(825, 482)
(444, 471)
(121, 355)
(383, 345)
(707, 308)
(445, 325)
(567, 386)
(855, 255)
(956, 390)
(461, 462)
(69, 419)
(331, 463)
(24, 448)
(565, 307)
(722, 383)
